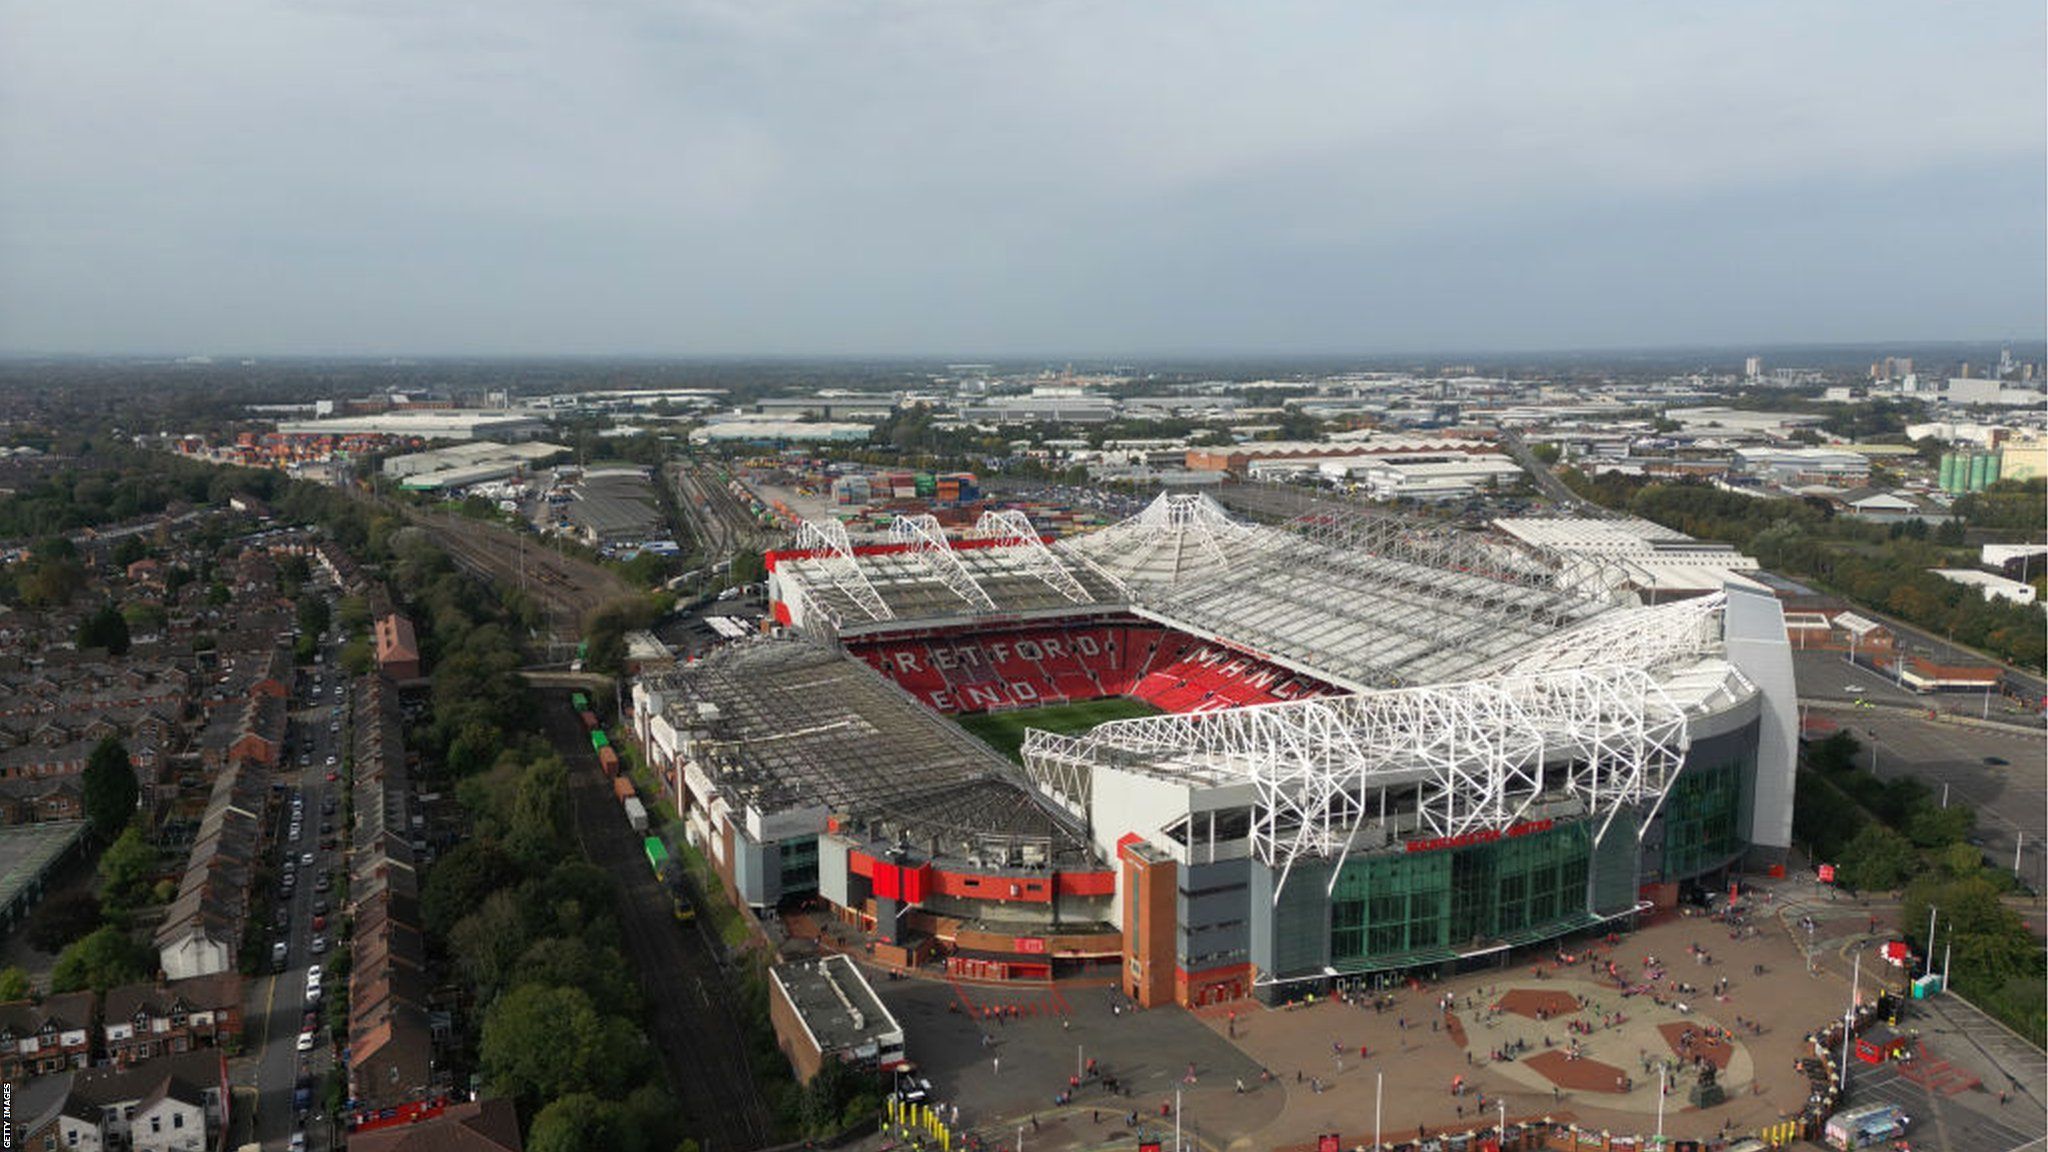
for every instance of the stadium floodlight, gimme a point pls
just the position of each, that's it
(1481, 755)
(833, 556)
(1012, 530)
(927, 541)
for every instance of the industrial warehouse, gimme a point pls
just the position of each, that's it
(1357, 744)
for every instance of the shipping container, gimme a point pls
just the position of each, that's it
(636, 814)
(608, 759)
(622, 786)
(589, 721)
(599, 740)
(657, 855)
(579, 701)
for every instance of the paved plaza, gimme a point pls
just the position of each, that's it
(1571, 1042)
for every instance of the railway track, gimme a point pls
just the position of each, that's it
(691, 1018)
(566, 587)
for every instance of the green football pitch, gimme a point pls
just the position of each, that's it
(1004, 731)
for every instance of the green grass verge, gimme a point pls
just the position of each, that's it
(712, 904)
(1004, 731)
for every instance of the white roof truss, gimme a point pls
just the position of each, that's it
(1012, 529)
(834, 557)
(1480, 754)
(927, 540)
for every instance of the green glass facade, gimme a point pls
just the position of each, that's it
(1702, 818)
(1416, 907)
(799, 865)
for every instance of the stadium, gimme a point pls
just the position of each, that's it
(1249, 759)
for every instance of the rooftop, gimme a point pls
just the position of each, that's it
(838, 1007)
(794, 725)
(27, 850)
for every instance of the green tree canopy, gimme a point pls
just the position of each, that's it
(1878, 858)
(105, 628)
(459, 882)
(540, 815)
(543, 1043)
(111, 792)
(106, 958)
(127, 868)
(14, 984)
(580, 1122)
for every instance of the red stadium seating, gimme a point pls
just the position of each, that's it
(1028, 668)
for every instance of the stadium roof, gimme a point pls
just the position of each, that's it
(794, 724)
(1361, 599)
(919, 574)
(1480, 755)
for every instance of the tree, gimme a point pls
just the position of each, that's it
(1835, 753)
(357, 657)
(1878, 858)
(354, 615)
(111, 792)
(106, 628)
(106, 958)
(313, 614)
(1932, 826)
(485, 943)
(62, 919)
(541, 1043)
(572, 963)
(14, 984)
(540, 815)
(126, 869)
(580, 1122)
(458, 883)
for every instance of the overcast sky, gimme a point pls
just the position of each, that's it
(1016, 176)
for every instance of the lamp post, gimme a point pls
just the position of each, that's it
(1660, 1105)
(1503, 1123)
(1378, 1084)
(1849, 1015)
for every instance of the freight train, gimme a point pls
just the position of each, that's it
(666, 871)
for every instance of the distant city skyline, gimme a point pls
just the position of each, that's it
(361, 178)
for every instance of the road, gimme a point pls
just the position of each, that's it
(692, 1019)
(277, 1002)
(1547, 482)
(1995, 771)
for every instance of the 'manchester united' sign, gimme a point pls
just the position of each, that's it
(1483, 836)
